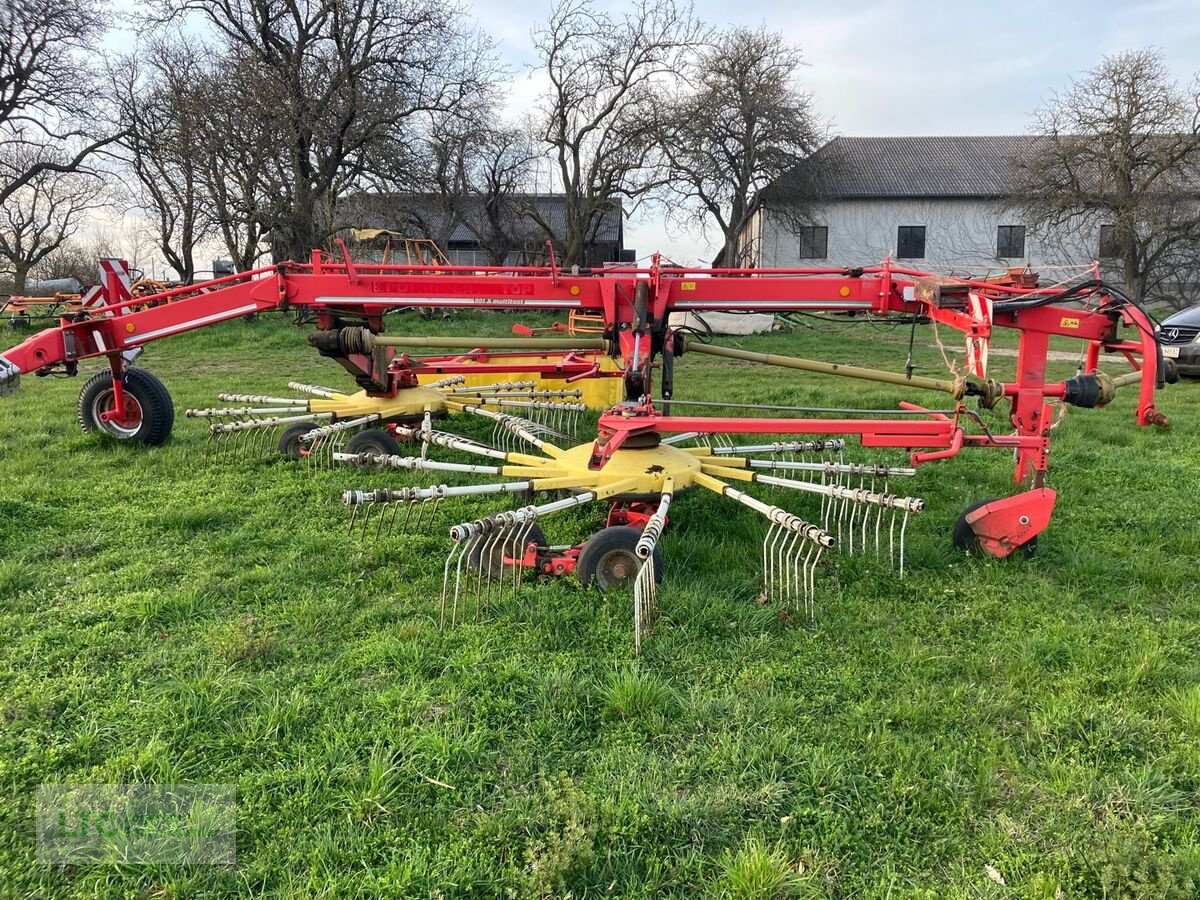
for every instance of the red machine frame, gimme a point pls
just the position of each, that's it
(635, 304)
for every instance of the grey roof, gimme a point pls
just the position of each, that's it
(927, 166)
(429, 212)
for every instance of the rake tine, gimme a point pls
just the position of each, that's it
(853, 510)
(524, 544)
(785, 562)
(457, 548)
(392, 520)
(483, 542)
(903, 527)
(800, 548)
(483, 594)
(469, 551)
(766, 564)
(778, 572)
(866, 517)
(366, 520)
(383, 514)
(810, 579)
(772, 587)
(518, 554)
(408, 515)
(785, 559)
(878, 523)
(467, 548)
(892, 539)
(496, 579)
(645, 592)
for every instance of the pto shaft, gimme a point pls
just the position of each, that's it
(360, 340)
(955, 389)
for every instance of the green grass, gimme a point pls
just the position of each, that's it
(162, 620)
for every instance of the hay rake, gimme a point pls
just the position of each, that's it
(639, 481)
(640, 458)
(331, 420)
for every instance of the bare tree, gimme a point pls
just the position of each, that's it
(741, 126)
(75, 258)
(238, 159)
(499, 172)
(38, 217)
(606, 78)
(1120, 148)
(337, 83)
(48, 99)
(161, 103)
(478, 173)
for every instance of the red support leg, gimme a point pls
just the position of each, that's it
(1030, 412)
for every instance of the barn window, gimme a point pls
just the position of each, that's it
(910, 242)
(1110, 248)
(1010, 241)
(814, 241)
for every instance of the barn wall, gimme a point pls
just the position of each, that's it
(958, 234)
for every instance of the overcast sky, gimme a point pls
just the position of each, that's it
(904, 67)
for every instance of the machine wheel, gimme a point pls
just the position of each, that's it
(493, 566)
(290, 443)
(964, 536)
(609, 558)
(374, 440)
(150, 411)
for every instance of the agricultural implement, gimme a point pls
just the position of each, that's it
(640, 459)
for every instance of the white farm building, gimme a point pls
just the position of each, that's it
(931, 202)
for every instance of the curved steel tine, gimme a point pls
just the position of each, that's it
(644, 590)
(778, 570)
(523, 542)
(766, 566)
(485, 594)
(892, 539)
(812, 578)
(383, 514)
(467, 547)
(903, 527)
(793, 570)
(853, 509)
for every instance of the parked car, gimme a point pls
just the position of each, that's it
(1179, 336)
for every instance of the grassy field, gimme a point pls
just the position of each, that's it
(981, 728)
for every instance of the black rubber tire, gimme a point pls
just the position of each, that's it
(374, 440)
(611, 546)
(493, 566)
(965, 539)
(151, 395)
(289, 441)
